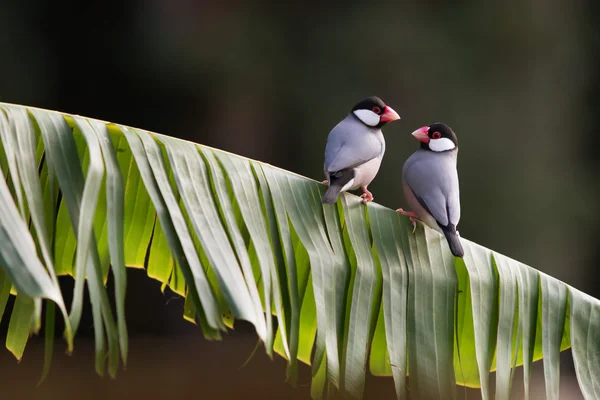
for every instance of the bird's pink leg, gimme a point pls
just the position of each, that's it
(412, 216)
(325, 182)
(366, 196)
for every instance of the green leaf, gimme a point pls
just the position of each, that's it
(387, 232)
(115, 215)
(585, 331)
(226, 212)
(101, 310)
(9, 143)
(506, 324)
(21, 323)
(305, 215)
(554, 306)
(286, 274)
(18, 254)
(243, 183)
(483, 290)
(49, 340)
(61, 154)
(28, 149)
(151, 165)
(527, 281)
(349, 285)
(5, 287)
(364, 298)
(193, 184)
(431, 291)
(160, 262)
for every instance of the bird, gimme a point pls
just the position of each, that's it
(355, 148)
(430, 183)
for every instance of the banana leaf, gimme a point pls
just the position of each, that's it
(346, 288)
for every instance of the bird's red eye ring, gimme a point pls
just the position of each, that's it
(436, 135)
(376, 110)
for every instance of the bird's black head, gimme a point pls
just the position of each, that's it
(437, 137)
(374, 113)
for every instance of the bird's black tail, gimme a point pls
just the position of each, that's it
(332, 194)
(453, 240)
(337, 181)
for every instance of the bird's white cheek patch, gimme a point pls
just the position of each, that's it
(368, 117)
(442, 144)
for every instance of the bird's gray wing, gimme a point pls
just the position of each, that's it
(433, 178)
(350, 144)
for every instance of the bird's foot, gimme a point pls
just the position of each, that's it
(412, 216)
(366, 196)
(325, 182)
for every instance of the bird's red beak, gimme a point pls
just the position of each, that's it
(389, 115)
(422, 134)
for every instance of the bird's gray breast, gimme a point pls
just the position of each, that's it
(433, 178)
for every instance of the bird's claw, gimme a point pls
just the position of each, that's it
(325, 182)
(411, 215)
(413, 221)
(366, 196)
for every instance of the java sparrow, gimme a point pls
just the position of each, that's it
(430, 183)
(355, 149)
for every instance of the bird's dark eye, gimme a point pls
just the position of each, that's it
(436, 135)
(376, 110)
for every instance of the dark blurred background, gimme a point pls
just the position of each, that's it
(518, 80)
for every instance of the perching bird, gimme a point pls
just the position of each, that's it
(430, 183)
(355, 148)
